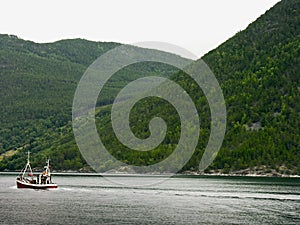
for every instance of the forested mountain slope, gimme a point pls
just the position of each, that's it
(38, 82)
(37, 86)
(258, 70)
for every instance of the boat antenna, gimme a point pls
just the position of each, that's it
(28, 156)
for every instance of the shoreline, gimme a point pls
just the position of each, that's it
(240, 175)
(186, 173)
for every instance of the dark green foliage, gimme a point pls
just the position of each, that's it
(37, 84)
(258, 70)
(259, 73)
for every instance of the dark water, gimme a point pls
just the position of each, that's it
(95, 200)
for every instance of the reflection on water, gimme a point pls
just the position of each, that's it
(95, 200)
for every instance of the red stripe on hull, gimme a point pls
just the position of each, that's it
(35, 186)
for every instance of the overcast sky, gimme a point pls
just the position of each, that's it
(196, 25)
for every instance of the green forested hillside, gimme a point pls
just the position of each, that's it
(38, 82)
(37, 86)
(258, 70)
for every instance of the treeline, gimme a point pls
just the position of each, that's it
(259, 73)
(258, 70)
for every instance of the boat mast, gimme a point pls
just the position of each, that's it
(27, 165)
(48, 167)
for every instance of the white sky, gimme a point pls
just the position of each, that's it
(196, 25)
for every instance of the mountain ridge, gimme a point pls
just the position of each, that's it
(258, 70)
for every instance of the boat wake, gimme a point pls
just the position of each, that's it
(13, 187)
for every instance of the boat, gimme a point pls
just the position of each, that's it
(35, 181)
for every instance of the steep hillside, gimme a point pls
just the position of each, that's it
(259, 73)
(258, 70)
(38, 82)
